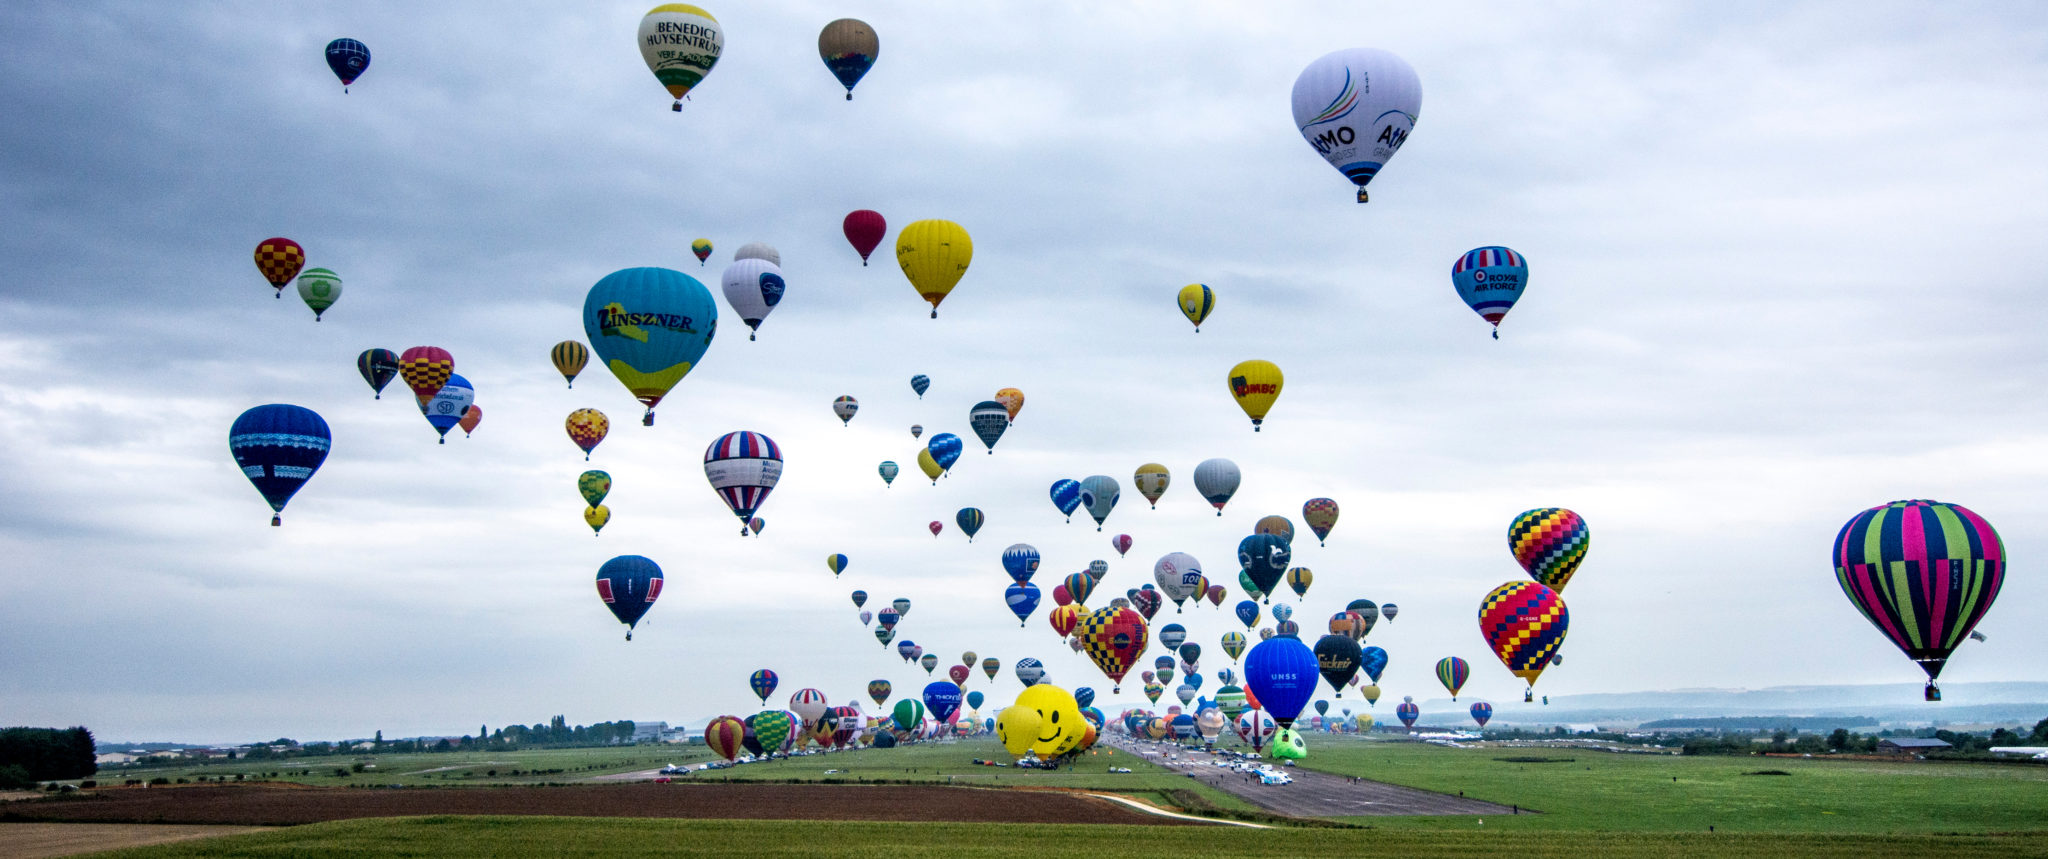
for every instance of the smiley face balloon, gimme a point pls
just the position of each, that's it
(1060, 727)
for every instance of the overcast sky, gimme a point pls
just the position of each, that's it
(1781, 271)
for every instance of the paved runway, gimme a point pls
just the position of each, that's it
(1315, 794)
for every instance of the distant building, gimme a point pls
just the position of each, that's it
(2036, 752)
(649, 732)
(115, 759)
(1909, 746)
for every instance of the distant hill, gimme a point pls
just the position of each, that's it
(1808, 708)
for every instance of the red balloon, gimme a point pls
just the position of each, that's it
(936, 527)
(864, 228)
(958, 674)
(1060, 595)
(723, 736)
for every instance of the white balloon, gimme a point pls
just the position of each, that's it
(757, 250)
(1217, 480)
(680, 44)
(753, 287)
(1178, 575)
(1356, 107)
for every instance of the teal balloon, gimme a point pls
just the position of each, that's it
(649, 326)
(974, 700)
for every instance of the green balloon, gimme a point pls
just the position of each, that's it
(594, 485)
(771, 729)
(909, 714)
(319, 288)
(1288, 745)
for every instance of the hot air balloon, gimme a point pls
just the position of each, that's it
(425, 370)
(936, 527)
(279, 447)
(945, 449)
(888, 618)
(1373, 661)
(928, 662)
(586, 428)
(908, 650)
(753, 287)
(1177, 574)
(1114, 638)
(743, 468)
(1490, 279)
(1356, 107)
(1216, 595)
(1022, 598)
(279, 259)
(974, 700)
(1099, 495)
(629, 584)
(908, 714)
(594, 486)
(1196, 301)
(1371, 691)
(1281, 672)
(934, 254)
(1233, 645)
(1408, 713)
(763, 683)
(942, 699)
(1147, 602)
(1283, 612)
(1922, 572)
(597, 516)
(837, 564)
(702, 249)
(1255, 385)
(901, 605)
(969, 519)
(1524, 623)
(1550, 543)
(888, 470)
(680, 43)
(1216, 480)
(724, 736)
(1065, 617)
(1481, 712)
(990, 666)
(1248, 613)
(1012, 401)
(569, 356)
(1066, 495)
(1298, 580)
(1098, 569)
(1029, 671)
(1171, 636)
(319, 288)
(1020, 560)
(860, 598)
(1264, 558)
(445, 409)
(1121, 543)
(348, 59)
(849, 48)
(1321, 516)
(772, 730)
(1278, 526)
(879, 691)
(760, 251)
(1151, 480)
(650, 326)
(864, 228)
(988, 419)
(378, 367)
(883, 634)
(1388, 611)
(809, 705)
(920, 383)
(1079, 586)
(1452, 671)
(1251, 589)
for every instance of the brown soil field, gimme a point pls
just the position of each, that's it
(36, 840)
(258, 805)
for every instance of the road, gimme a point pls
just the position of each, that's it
(1314, 794)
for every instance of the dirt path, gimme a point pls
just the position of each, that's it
(35, 840)
(261, 805)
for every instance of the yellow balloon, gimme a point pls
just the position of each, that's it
(1017, 727)
(1060, 727)
(1152, 479)
(1364, 722)
(1196, 301)
(929, 466)
(1255, 384)
(934, 254)
(596, 517)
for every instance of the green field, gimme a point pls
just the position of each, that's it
(1648, 793)
(560, 836)
(429, 768)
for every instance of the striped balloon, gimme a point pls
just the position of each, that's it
(837, 564)
(1079, 586)
(725, 735)
(763, 683)
(1452, 671)
(1408, 713)
(1490, 279)
(1481, 712)
(743, 468)
(1923, 573)
(1524, 623)
(1550, 543)
(569, 357)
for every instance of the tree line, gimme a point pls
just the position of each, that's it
(30, 755)
(1844, 741)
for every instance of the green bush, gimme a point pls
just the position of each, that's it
(15, 777)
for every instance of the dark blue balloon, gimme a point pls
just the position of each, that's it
(920, 383)
(1191, 652)
(1084, 696)
(349, 59)
(942, 699)
(1023, 600)
(278, 448)
(1282, 673)
(1183, 726)
(1021, 562)
(1066, 495)
(1193, 679)
(1374, 661)
(1264, 558)
(945, 448)
(629, 584)
(885, 740)
(1248, 612)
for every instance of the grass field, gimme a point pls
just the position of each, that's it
(558, 836)
(431, 768)
(1606, 791)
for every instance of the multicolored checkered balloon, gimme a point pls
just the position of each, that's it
(1550, 543)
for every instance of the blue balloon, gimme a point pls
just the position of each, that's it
(1030, 671)
(974, 700)
(628, 584)
(1023, 600)
(920, 383)
(945, 449)
(1066, 495)
(1490, 279)
(278, 448)
(1191, 652)
(1264, 558)
(1248, 612)
(444, 410)
(348, 59)
(1021, 562)
(969, 519)
(885, 740)
(905, 648)
(1193, 679)
(1226, 677)
(649, 326)
(1374, 661)
(1282, 673)
(1183, 726)
(942, 699)
(989, 419)
(1084, 696)
(1171, 636)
